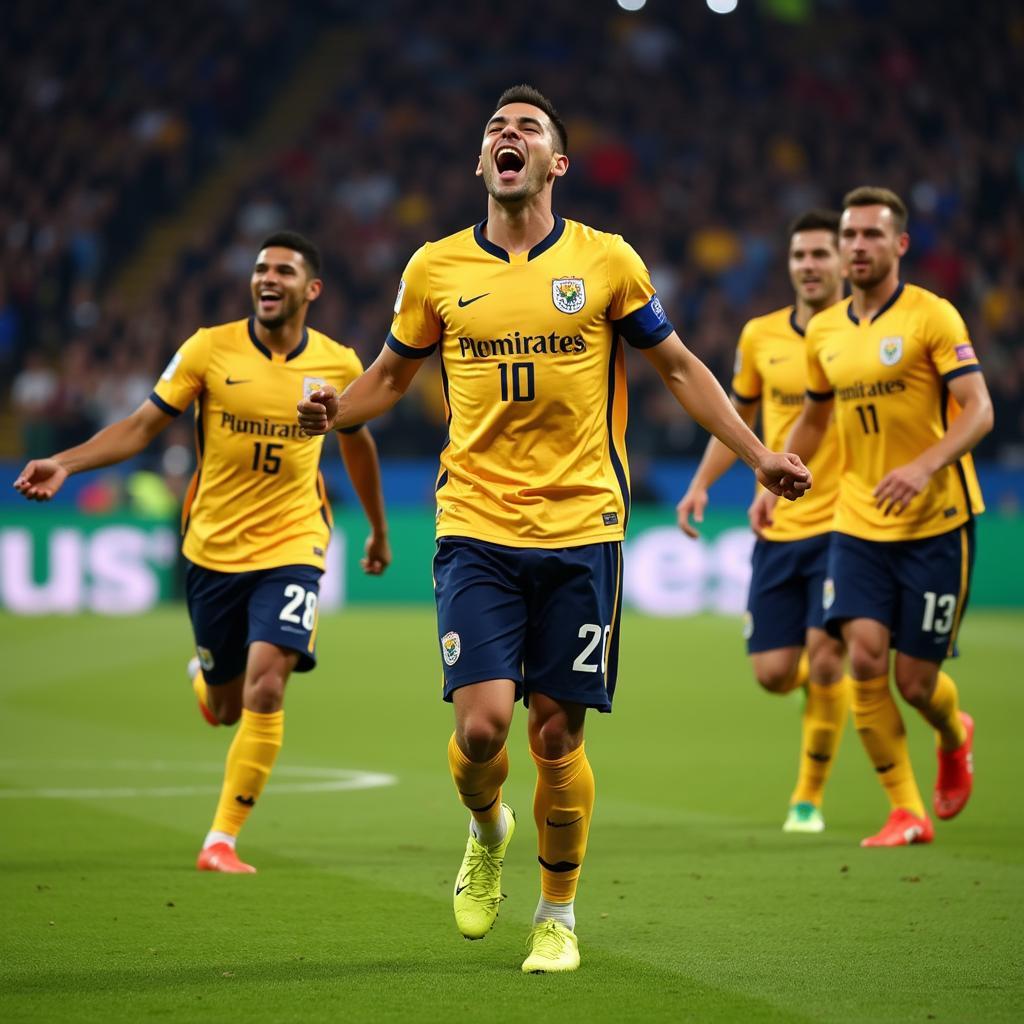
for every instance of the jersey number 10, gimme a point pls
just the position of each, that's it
(522, 381)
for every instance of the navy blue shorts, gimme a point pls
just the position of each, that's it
(918, 588)
(548, 619)
(229, 610)
(786, 584)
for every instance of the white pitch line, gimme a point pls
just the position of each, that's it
(323, 780)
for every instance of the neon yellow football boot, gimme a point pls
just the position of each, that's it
(804, 817)
(478, 883)
(553, 948)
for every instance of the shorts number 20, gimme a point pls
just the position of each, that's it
(594, 635)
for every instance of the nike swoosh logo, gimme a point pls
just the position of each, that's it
(563, 824)
(831, 356)
(468, 302)
(459, 888)
(228, 380)
(781, 359)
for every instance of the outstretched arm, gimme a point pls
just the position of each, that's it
(359, 453)
(695, 388)
(717, 458)
(369, 395)
(41, 479)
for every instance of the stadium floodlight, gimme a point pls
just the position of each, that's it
(722, 6)
(631, 5)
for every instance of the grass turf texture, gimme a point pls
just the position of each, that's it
(693, 906)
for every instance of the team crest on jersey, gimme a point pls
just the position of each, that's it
(205, 658)
(891, 350)
(311, 384)
(451, 647)
(568, 294)
(828, 594)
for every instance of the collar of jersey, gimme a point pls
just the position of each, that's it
(792, 323)
(496, 250)
(297, 351)
(888, 304)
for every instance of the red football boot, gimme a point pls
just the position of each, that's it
(902, 828)
(956, 775)
(222, 857)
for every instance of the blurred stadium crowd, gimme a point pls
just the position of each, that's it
(695, 136)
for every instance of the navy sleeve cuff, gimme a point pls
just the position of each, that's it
(647, 326)
(351, 430)
(820, 396)
(407, 350)
(960, 371)
(745, 399)
(162, 405)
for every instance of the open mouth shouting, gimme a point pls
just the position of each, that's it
(508, 162)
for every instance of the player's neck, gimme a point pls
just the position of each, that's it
(519, 228)
(866, 302)
(280, 340)
(803, 311)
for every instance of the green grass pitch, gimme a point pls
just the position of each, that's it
(693, 906)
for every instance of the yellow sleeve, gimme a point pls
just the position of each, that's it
(185, 376)
(948, 342)
(634, 308)
(818, 385)
(746, 379)
(416, 328)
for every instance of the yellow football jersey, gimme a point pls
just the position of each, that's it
(888, 376)
(257, 499)
(534, 379)
(771, 367)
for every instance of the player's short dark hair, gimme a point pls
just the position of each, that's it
(875, 195)
(815, 220)
(528, 94)
(300, 243)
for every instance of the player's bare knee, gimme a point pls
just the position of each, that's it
(916, 683)
(264, 692)
(775, 674)
(772, 683)
(826, 668)
(868, 662)
(553, 738)
(481, 737)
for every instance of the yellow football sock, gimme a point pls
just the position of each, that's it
(943, 714)
(880, 726)
(563, 803)
(479, 785)
(823, 724)
(202, 689)
(250, 759)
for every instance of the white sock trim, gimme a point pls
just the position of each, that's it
(563, 913)
(212, 838)
(489, 833)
